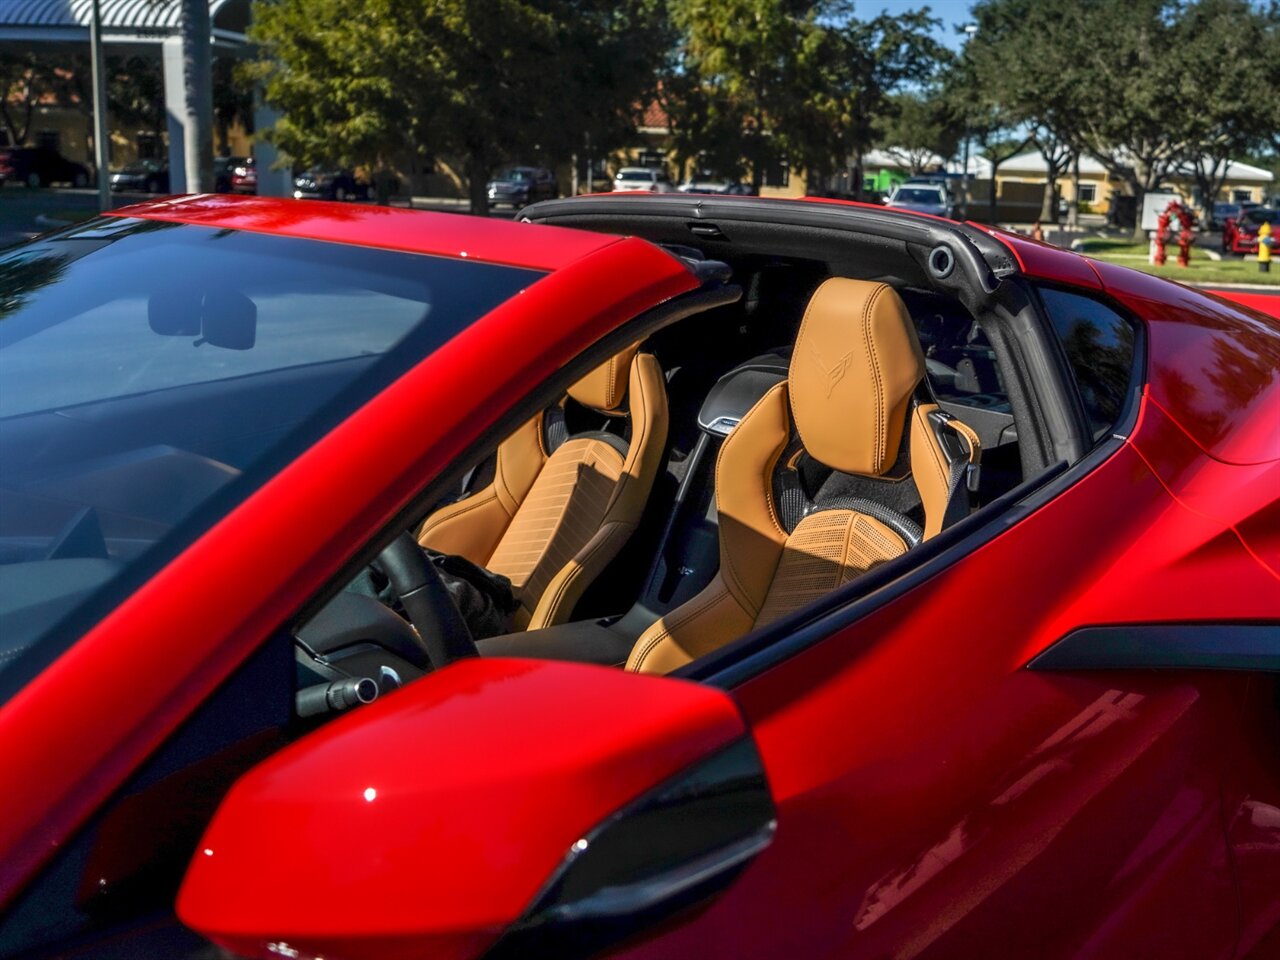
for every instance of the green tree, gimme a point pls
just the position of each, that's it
(752, 62)
(24, 78)
(868, 63)
(921, 127)
(487, 81)
(755, 82)
(1233, 48)
(995, 129)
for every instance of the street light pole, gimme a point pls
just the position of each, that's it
(969, 30)
(97, 67)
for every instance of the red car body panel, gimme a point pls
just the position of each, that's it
(347, 792)
(935, 797)
(977, 803)
(468, 383)
(388, 228)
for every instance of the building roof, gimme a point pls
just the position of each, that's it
(129, 20)
(1033, 162)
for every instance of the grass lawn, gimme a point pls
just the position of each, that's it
(1229, 269)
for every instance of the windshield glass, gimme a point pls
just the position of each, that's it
(643, 175)
(153, 375)
(917, 195)
(1258, 216)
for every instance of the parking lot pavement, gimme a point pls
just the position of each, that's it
(25, 212)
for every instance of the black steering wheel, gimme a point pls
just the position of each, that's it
(443, 633)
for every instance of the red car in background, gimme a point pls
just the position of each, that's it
(885, 586)
(1240, 233)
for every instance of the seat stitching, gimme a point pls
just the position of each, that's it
(675, 624)
(554, 603)
(881, 440)
(457, 513)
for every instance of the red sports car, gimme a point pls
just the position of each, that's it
(669, 576)
(1240, 234)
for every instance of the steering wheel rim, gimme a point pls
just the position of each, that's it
(443, 633)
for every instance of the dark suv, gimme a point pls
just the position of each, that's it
(40, 167)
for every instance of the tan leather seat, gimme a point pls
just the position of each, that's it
(556, 513)
(854, 387)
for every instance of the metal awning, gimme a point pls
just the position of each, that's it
(123, 21)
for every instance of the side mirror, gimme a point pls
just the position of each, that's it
(498, 807)
(222, 318)
(229, 319)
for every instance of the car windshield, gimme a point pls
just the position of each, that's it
(643, 175)
(516, 175)
(153, 375)
(917, 195)
(1258, 216)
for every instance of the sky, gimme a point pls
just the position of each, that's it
(950, 12)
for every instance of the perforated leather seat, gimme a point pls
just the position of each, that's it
(560, 507)
(854, 392)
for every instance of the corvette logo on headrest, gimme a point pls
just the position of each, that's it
(833, 374)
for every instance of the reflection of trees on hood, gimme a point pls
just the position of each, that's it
(21, 277)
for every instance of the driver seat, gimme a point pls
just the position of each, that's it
(559, 507)
(811, 485)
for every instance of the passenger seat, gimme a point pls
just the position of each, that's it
(561, 506)
(812, 486)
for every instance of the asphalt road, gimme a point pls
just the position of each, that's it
(21, 206)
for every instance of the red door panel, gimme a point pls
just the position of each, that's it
(936, 798)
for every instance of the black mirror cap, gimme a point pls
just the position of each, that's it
(666, 852)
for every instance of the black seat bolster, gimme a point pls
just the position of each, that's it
(584, 641)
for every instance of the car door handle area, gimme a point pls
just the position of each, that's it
(1247, 646)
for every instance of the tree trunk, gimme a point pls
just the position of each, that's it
(1048, 205)
(1139, 235)
(382, 180)
(477, 184)
(857, 176)
(993, 201)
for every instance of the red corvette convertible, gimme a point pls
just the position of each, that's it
(852, 584)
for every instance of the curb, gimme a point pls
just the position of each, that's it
(1260, 287)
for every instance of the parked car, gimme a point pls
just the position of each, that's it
(147, 176)
(222, 173)
(735, 188)
(1220, 212)
(241, 176)
(40, 167)
(652, 179)
(927, 609)
(1240, 233)
(519, 186)
(318, 184)
(921, 198)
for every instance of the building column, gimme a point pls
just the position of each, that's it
(188, 105)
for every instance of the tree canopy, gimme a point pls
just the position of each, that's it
(488, 81)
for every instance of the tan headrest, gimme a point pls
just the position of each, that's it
(857, 361)
(605, 386)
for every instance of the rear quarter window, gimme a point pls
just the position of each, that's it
(1099, 345)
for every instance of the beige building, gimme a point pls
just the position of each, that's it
(1020, 185)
